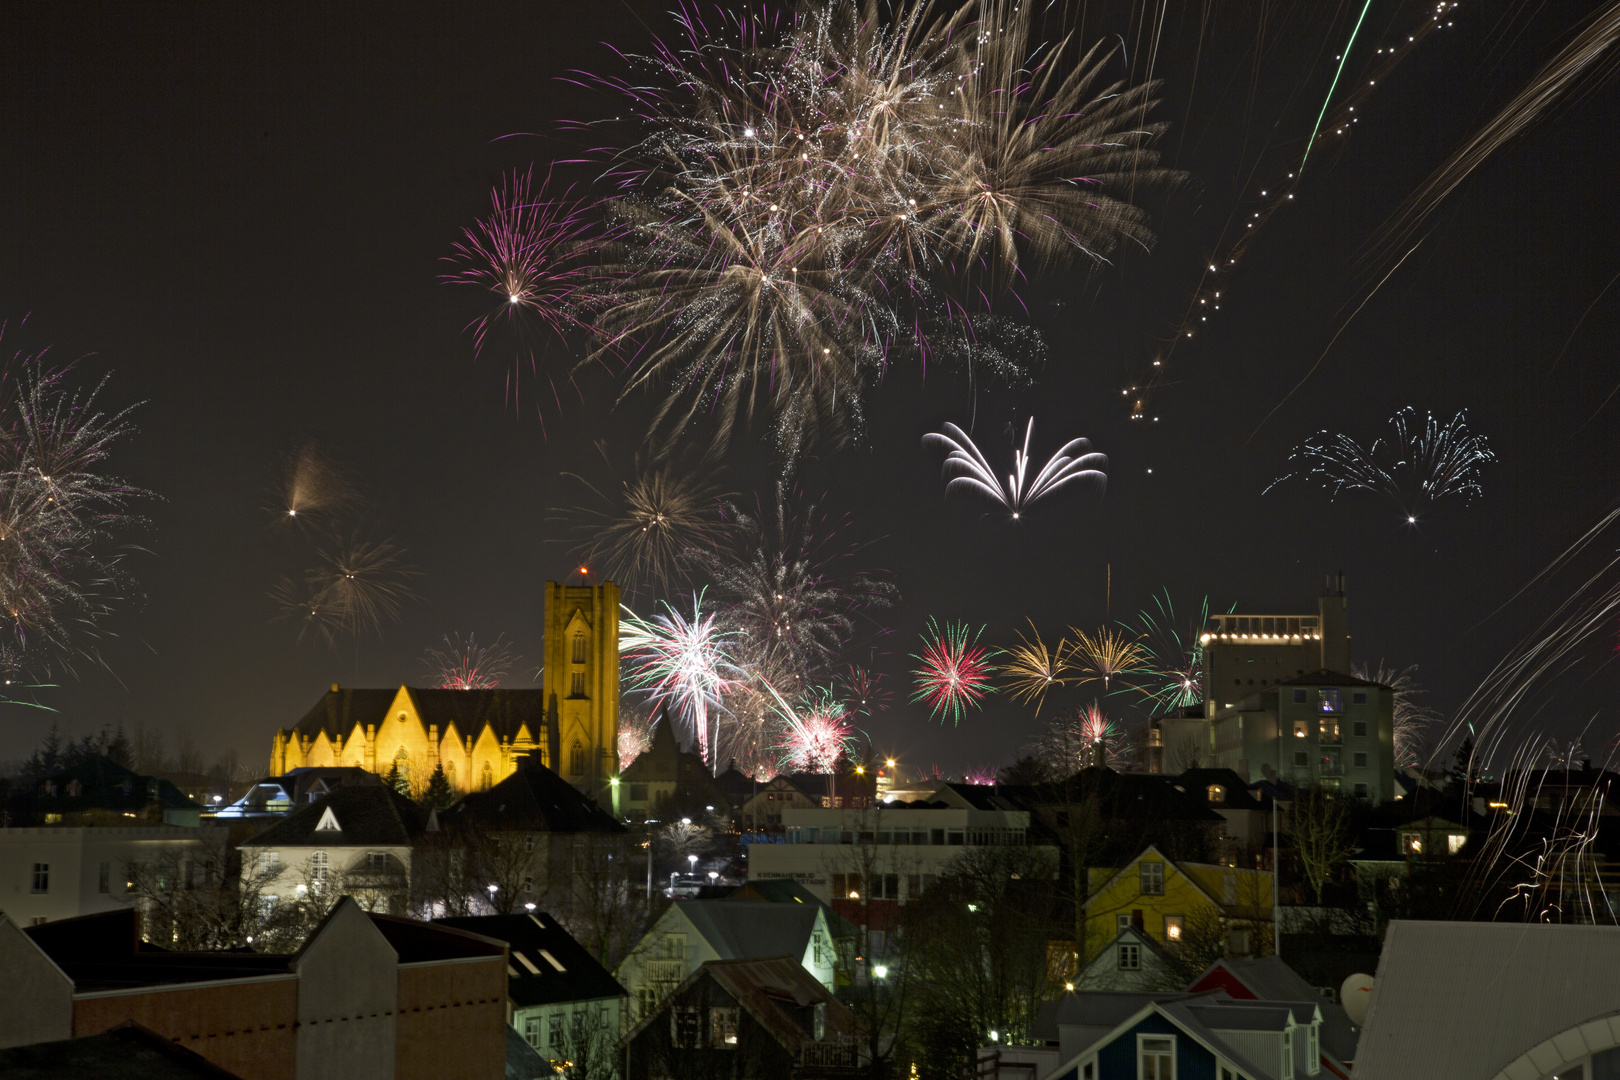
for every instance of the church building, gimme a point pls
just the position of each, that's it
(571, 722)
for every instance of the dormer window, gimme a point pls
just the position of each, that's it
(1216, 794)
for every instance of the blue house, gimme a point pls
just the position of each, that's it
(1144, 1036)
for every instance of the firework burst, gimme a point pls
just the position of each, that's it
(59, 512)
(1074, 463)
(816, 735)
(683, 661)
(864, 690)
(1034, 669)
(1104, 656)
(1087, 738)
(1422, 463)
(955, 671)
(636, 723)
(1412, 721)
(652, 525)
(312, 486)
(809, 191)
(467, 665)
(980, 775)
(356, 585)
(1170, 675)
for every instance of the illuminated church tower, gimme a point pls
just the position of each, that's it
(582, 684)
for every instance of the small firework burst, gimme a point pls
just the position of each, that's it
(636, 723)
(864, 690)
(1034, 669)
(980, 775)
(956, 671)
(357, 584)
(1171, 673)
(1089, 737)
(1413, 722)
(467, 665)
(311, 486)
(1104, 656)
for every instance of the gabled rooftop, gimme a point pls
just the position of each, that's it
(366, 814)
(532, 799)
(545, 964)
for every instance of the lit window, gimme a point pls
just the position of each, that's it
(1156, 1057)
(1302, 729)
(723, 1029)
(42, 877)
(531, 1031)
(1413, 844)
(1152, 878)
(1455, 841)
(320, 864)
(1327, 701)
(1173, 926)
(1216, 794)
(1130, 956)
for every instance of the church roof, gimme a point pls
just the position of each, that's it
(502, 710)
(366, 814)
(533, 799)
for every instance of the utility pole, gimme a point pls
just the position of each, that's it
(1276, 912)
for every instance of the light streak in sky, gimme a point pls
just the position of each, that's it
(1075, 462)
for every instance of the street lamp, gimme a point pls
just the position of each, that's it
(881, 971)
(692, 859)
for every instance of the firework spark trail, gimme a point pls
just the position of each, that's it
(636, 723)
(816, 735)
(59, 510)
(980, 775)
(654, 522)
(356, 584)
(538, 255)
(1104, 656)
(467, 665)
(1420, 465)
(807, 193)
(1412, 721)
(1171, 671)
(955, 673)
(1075, 462)
(1265, 202)
(684, 661)
(1033, 668)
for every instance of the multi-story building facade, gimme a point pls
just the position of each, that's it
(61, 872)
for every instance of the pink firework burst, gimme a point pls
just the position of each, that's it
(865, 691)
(467, 665)
(956, 670)
(1102, 740)
(980, 775)
(817, 735)
(684, 661)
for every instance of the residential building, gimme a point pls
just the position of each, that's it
(1431, 838)
(128, 1051)
(60, 871)
(742, 1019)
(690, 933)
(761, 811)
(1268, 978)
(98, 792)
(559, 999)
(1162, 1036)
(1180, 903)
(359, 840)
(277, 796)
(1132, 961)
(368, 997)
(867, 862)
(1513, 1001)
(1245, 809)
(667, 780)
(1244, 653)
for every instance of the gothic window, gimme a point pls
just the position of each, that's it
(486, 778)
(450, 773)
(576, 759)
(576, 684)
(579, 648)
(402, 765)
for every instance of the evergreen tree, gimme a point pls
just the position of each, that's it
(396, 780)
(49, 754)
(1460, 768)
(439, 794)
(119, 748)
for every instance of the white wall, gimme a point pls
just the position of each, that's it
(348, 993)
(37, 1001)
(74, 856)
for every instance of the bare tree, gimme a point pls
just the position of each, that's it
(1319, 821)
(200, 897)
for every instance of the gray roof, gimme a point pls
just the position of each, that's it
(532, 799)
(747, 929)
(533, 978)
(504, 710)
(1201, 1015)
(523, 1062)
(1271, 979)
(368, 815)
(1466, 999)
(128, 1051)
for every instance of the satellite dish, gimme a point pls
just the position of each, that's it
(1355, 995)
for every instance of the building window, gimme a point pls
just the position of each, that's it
(576, 684)
(531, 1030)
(320, 864)
(269, 863)
(1156, 1057)
(1313, 1051)
(1238, 941)
(1330, 731)
(486, 777)
(579, 648)
(576, 758)
(1174, 925)
(646, 1001)
(1361, 760)
(1455, 842)
(376, 861)
(1359, 697)
(42, 877)
(557, 1031)
(685, 1026)
(1361, 791)
(1216, 794)
(674, 946)
(1287, 1072)
(1327, 701)
(1299, 697)
(450, 774)
(1331, 763)
(402, 763)
(104, 878)
(1301, 759)
(1122, 923)
(1358, 728)
(1130, 956)
(723, 1029)
(267, 908)
(1152, 878)
(1302, 729)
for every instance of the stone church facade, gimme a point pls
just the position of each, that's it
(571, 722)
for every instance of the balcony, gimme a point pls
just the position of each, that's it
(833, 1052)
(666, 971)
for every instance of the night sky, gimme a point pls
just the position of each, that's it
(240, 211)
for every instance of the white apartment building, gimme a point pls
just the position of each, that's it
(59, 872)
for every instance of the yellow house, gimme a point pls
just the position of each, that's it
(1197, 904)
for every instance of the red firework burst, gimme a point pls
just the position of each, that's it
(956, 670)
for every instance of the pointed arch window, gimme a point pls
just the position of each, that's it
(486, 778)
(580, 647)
(450, 773)
(576, 758)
